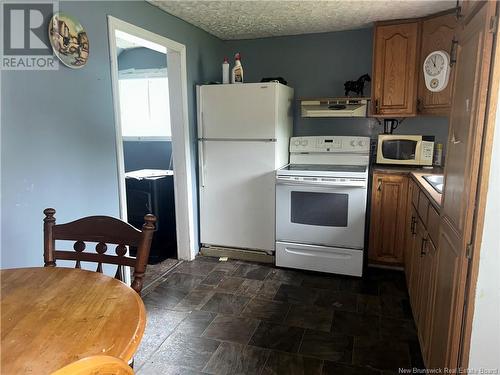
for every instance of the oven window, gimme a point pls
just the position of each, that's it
(399, 149)
(323, 209)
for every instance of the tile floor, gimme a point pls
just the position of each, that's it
(210, 317)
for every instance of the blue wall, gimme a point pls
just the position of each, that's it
(58, 136)
(141, 58)
(317, 65)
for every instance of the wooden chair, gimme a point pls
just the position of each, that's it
(98, 364)
(100, 229)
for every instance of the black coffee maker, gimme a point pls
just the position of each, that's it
(389, 125)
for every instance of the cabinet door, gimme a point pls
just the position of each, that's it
(410, 239)
(461, 176)
(417, 272)
(437, 34)
(394, 69)
(388, 213)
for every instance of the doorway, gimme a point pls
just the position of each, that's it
(152, 137)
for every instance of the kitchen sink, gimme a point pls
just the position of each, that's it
(436, 181)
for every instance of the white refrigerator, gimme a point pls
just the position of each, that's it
(243, 136)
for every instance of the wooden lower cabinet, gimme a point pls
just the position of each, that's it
(421, 262)
(387, 219)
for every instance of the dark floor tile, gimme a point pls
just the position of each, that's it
(153, 368)
(415, 354)
(214, 278)
(224, 303)
(194, 300)
(369, 305)
(280, 363)
(250, 288)
(395, 307)
(252, 271)
(184, 351)
(231, 358)
(196, 267)
(355, 324)
(393, 288)
(230, 284)
(182, 281)
(332, 368)
(269, 289)
(383, 274)
(163, 296)
(385, 354)
(359, 285)
(343, 301)
(321, 282)
(296, 294)
(284, 276)
(312, 317)
(196, 323)
(272, 311)
(228, 266)
(278, 337)
(327, 346)
(231, 328)
(398, 329)
(160, 323)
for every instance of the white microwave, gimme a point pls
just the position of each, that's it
(405, 149)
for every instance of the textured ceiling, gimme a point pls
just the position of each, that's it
(260, 19)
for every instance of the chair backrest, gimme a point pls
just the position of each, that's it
(98, 364)
(103, 230)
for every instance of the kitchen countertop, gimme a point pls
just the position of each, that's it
(417, 174)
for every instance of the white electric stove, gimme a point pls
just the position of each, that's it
(321, 204)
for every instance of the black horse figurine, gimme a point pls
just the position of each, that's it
(357, 86)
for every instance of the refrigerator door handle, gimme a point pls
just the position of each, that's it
(201, 161)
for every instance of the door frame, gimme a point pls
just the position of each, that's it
(179, 119)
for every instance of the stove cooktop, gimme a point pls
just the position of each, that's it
(324, 170)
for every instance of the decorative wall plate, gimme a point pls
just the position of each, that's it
(69, 40)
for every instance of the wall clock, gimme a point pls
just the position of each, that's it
(69, 40)
(437, 70)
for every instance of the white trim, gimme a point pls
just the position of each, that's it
(183, 182)
(142, 73)
(146, 139)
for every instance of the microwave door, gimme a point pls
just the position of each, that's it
(399, 149)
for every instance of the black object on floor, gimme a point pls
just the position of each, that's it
(235, 317)
(151, 191)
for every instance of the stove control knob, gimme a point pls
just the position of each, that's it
(362, 143)
(353, 143)
(303, 143)
(296, 142)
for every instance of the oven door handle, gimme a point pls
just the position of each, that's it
(360, 185)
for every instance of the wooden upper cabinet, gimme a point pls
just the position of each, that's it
(437, 34)
(388, 218)
(394, 83)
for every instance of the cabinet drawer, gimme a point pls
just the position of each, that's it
(433, 224)
(423, 206)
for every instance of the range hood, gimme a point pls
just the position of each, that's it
(334, 107)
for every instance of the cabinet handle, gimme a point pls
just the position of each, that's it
(379, 186)
(412, 227)
(454, 140)
(453, 52)
(422, 247)
(376, 106)
(419, 105)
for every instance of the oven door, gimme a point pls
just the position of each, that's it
(318, 214)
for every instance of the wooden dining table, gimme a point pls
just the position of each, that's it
(51, 317)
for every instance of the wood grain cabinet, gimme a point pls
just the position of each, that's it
(437, 33)
(394, 76)
(387, 219)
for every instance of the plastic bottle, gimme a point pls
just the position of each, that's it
(225, 71)
(438, 154)
(237, 72)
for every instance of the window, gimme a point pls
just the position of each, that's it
(144, 106)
